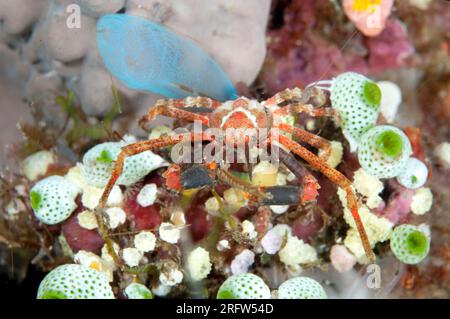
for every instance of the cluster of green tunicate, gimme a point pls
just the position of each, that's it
(250, 286)
(384, 151)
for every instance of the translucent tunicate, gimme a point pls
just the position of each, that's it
(147, 56)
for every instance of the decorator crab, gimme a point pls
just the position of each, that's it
(250, 114)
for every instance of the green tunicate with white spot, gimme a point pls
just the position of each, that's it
(409, 244)
(138, 291)
(98, 164)
(414, 175)
(244, 286)
(383, 151)
(301, 288)
(358, 99)
(53, 199)
(74, 281)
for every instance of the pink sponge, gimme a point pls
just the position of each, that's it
(390, 48)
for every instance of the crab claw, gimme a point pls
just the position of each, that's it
(310, 189)
(195, 177)
(173, 177)
(281, 195)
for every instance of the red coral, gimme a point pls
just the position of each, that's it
(172, 176)
(302, 50)
(310, 189)
(143, 218)
(326, 193)
(308, 226)
(80, 238)
(200, 225)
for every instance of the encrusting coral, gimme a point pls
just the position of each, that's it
(143, 210)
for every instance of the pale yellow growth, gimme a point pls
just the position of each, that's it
(378, 229)
(368, 186)
(199, 264)
(87, 220)
(296, 252)
(91, 194)
(91, 260)
(422, 201)
(265, 174)
(37, 164)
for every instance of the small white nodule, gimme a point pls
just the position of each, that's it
(391, 98)
(147, 195)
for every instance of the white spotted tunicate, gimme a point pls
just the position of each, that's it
(384, 151)
(414, 175)
(53, 199)
(409, 244)
(357, 99)
(75, 282)
(301, 288)
(246, 286)
(99, 163)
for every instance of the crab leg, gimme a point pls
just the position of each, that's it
(285, 96)
(194, 102)
(311, 110)
(131, 150)
(306, 108)
(309, 186)
(296, 102)
(311, 139)
(337, 178)
(172, 108)
(143, 146)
